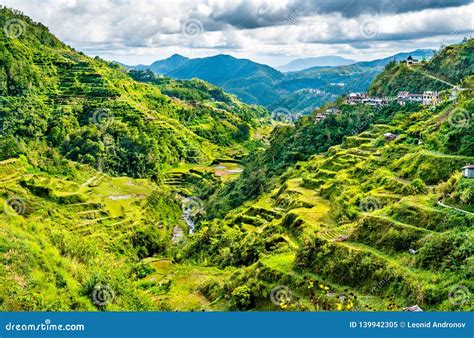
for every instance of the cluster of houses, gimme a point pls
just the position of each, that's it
(427, 98)
(322, 115)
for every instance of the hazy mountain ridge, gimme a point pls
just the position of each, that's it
(320, 61)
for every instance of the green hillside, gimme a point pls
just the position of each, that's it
(75, 224)
(361, 219)
(336, 204)
(94, 113)
(122, 190)
(447, 68)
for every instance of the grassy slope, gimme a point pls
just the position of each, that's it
(67, 228)
(451, 64)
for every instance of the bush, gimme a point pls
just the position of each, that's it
(445, 252)
(147, 242)
(242, 298)
(418, 186)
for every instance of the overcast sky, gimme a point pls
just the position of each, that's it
(272, 32)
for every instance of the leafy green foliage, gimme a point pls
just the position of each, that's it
(446, 252)
(242, 298)
(95, 113)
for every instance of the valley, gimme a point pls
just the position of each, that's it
(123, 190)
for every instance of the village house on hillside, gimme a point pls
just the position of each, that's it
(411, 61)
(430, 98)
(427, 98)
(404, 97)
(468, 171)
(354, 98)
(329, 111)
(333, 110)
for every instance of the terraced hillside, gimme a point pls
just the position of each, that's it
(361, 220)
(73, 236)
(88, 241)
(381, 221)
(93, 112)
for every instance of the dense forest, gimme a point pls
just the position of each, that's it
(92, 111)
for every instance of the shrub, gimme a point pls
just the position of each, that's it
(418, 186)
(242, 298)
(446, 252)
(147, 242)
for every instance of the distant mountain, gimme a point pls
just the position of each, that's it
(166, 65)
(298, 91)
(305, 90)
(250, 81)
(419, 54)
(320, 61)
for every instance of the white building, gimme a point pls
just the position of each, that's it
(354, 98)
(430, 98)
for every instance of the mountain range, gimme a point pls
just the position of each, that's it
(298, 91)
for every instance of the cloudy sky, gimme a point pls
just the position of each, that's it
(272, 32)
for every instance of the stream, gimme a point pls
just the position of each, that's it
(188, 219)
(192, 207)
(178, 233)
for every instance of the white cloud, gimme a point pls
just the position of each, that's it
(140, 31)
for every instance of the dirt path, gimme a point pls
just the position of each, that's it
(441, 204)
